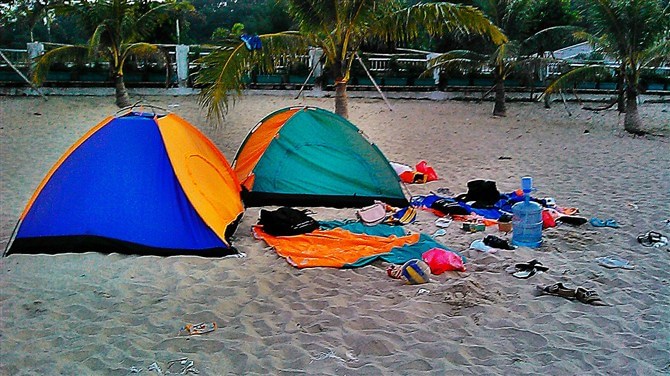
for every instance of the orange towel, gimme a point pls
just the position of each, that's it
(331, 248)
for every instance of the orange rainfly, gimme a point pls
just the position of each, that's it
(205, 176)
(256, 144)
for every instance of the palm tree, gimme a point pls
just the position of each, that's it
(338, 27)
(636, 33)
(522, 51)
(118, 27)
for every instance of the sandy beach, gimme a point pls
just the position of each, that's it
(111, 314)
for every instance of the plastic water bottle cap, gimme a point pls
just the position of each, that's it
(527, 184)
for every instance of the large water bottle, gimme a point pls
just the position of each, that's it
(527, 218)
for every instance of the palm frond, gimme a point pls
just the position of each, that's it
(580, 74)
(223, 71)
(314, 15)
(461, 59)
(438, 19)
(140, 50)
(657, 55)
(505, 52)
(95, 42)
(61, 54)
(566, 31)
(513, 12)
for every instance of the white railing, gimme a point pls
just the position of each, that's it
(378, 63)
(19, 58)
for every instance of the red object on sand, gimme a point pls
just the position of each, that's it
(547, 219)
(422, 174)
(427, 170)
(440, 261)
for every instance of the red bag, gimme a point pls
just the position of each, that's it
(440, 261)
(427, 170)
(547, 219)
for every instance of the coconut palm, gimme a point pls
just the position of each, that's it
(338, 27)
(635, 33)
(521, 52)
(117, 27)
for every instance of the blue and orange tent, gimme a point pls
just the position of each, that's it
(137, 183)
(307, 156)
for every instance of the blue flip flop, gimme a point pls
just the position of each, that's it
(614, 262)
(612, 223)
(597, 222)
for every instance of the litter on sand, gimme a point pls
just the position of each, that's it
(201, 328)
(327, 355)
(422, 291)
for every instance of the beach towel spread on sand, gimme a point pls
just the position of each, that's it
(504, 205)
(348, 245)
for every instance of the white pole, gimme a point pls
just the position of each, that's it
(22, 76)
(373, 81)
(181, 55)
(178, 35)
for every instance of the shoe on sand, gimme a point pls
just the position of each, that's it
(580, 294)
(597, 222)
(528, 269)
(652, 239)
(588, 297)
(496, 242)
(614, 262)
(557, 289)
(480, 246)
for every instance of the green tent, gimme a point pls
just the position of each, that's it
(307, 156)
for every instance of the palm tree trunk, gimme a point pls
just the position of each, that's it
(499, 107)
(122, 98)
(341, 99)
(620, 82)
(632, 122)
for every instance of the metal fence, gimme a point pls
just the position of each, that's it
(396, 70)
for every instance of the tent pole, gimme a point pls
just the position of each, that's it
(22, 76)
(486, 94)
(565, 102)
(307, 79)
(373, 81)
(406, 188)
(11, 238)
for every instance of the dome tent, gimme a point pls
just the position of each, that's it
(139, 183)
(307, 156)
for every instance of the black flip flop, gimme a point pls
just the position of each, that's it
(651, 238)
(524, 274)
(528, 269)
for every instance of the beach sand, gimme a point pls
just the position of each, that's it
(103, 314)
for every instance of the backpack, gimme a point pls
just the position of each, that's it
(287, 221)
(483, 192)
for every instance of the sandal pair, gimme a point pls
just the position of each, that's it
(652, 239)
(528, 269)
(580, 294)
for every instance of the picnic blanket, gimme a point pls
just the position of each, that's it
(348, 245)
